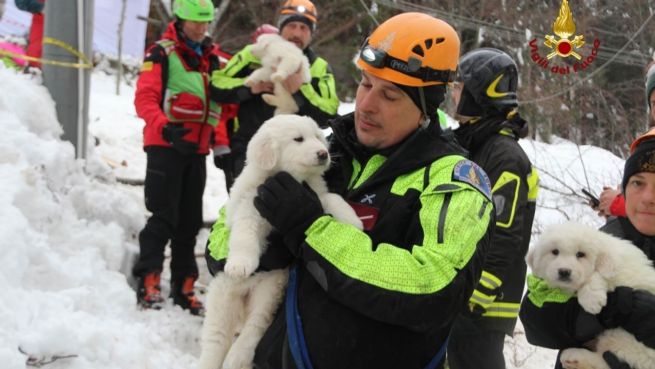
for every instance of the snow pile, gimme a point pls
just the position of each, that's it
(65, 231)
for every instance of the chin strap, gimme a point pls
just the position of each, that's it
(425, 121)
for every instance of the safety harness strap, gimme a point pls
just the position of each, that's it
(297, 344)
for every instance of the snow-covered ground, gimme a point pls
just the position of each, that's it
(68, 228)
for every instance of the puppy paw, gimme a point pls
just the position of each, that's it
(277, 77)
(270, 99)
(240, 267)
(238, 359)
(578, 358)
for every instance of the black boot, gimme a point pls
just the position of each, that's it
(184, 296)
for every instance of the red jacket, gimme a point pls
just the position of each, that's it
(152, 82)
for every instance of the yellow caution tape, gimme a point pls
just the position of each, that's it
(86, 63)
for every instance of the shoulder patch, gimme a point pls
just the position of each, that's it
(468, 172)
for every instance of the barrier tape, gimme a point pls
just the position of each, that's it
(86, 63)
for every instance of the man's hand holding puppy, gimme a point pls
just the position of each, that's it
(289, 206)
(293, 82)
(262, 87)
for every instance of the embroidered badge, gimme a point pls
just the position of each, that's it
(468, 172)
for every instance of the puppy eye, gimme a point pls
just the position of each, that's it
(555, 252)
(580, 254)
(299, 139)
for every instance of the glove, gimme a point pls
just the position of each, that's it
(174, 134)
(632, 310)
(614, 362)
(618, 309)
(289, 206)
(222, 161)
(222, 158)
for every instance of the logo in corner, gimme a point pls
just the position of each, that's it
(566, 43)
(564, 27)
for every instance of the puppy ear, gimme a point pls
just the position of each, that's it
(262, 150)
(605, 265)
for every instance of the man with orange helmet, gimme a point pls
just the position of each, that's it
(317, 99)
(386, 296)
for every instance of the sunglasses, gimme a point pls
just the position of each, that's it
(377, 58)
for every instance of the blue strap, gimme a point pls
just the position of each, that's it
(439, 356)
(297, 343)
(295, 333)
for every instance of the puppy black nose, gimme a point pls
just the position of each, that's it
(322, 156)
(564, 274)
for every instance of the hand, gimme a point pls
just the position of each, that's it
(293, 82)
(289, 206)
(483, 296)
(262, 87)
(174, 134)
(222, 162)
(632, 310)
(222, 157)
(606, 198)
(475, 311)
(614, 362)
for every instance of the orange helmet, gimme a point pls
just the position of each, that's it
(644, 137)
(298, 10)
(412, 49)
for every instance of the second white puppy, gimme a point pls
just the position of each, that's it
(238, 301)
(280, 59)
(582, 260)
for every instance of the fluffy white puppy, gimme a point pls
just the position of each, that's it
(582, 260)
(280, 59)
(238, 301)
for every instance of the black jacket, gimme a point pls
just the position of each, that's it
(493, 144)
(353, 288)
(564, 325)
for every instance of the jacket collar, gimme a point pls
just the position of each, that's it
(420, 149)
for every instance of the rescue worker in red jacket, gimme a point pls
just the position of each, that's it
(180, 120)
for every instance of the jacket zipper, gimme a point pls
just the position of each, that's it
(442, 216)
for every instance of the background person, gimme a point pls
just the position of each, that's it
(490, 128)
(297, 20)
(180, 119)
(555, 320)
(612, 202)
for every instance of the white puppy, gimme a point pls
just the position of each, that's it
(582, 260)
(280, 59)
(237, 301)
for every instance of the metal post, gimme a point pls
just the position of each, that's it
(71, 22)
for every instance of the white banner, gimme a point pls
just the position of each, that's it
(105, 25)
